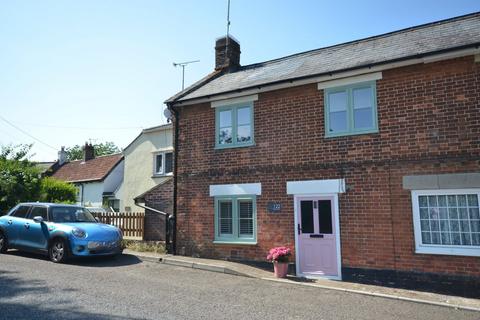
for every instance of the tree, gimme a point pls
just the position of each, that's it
(54, 190)
(21, 181)
(101, 149)
(19, 178)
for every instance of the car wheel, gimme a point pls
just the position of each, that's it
(58, 251)
(3, 242)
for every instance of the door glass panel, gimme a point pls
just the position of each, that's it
(306, 211)
(39, 212)
(325, 216)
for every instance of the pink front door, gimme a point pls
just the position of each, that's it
(317, 251)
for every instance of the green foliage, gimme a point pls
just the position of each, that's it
(19, 178)
(53, 190)
(21, 181)
(18, 152)
(101, 149)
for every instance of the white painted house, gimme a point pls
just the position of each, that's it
(97, 178)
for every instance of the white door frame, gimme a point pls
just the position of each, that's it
(334, 196)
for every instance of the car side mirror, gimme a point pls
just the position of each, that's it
(97, 219)
(38, 219)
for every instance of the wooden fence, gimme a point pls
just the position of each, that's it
(132, 224)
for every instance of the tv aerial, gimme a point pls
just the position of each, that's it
(183, 65)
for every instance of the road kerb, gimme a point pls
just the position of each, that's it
(374, 294)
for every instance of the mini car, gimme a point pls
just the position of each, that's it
(61, 231)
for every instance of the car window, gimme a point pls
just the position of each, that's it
(39, 212)
(21, 212)
(71, 214)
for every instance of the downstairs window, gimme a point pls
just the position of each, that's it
(447, 221)
(235, 219)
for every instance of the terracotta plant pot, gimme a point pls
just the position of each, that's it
(280, 269)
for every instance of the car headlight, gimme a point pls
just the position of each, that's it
(79, 233)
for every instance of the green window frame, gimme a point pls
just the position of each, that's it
(229, 119)
(232, 225)
(337, 115)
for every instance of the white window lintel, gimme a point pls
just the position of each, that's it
(233, 101)
(236, 189)
(349, 80)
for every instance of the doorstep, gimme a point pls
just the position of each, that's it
(239, 269)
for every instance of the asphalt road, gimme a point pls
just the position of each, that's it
(31, 287)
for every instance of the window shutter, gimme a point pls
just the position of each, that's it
(225, 217)
(245, 208)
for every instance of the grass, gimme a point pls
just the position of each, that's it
(145, 246)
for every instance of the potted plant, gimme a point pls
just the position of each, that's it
(279, 256)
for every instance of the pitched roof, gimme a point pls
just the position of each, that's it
(148, 130)
(44, 166)
(92, 170)
(441, 36)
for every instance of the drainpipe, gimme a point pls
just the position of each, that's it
(81, 199)
(175, 174)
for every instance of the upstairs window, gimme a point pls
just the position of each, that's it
(234, 126)
(351, 109)
(163, 163)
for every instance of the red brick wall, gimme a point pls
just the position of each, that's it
(429, 122)
(160, 198)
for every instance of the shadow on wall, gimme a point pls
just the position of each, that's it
(13, 291)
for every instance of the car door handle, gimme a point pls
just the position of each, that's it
(10, 221)
(27, 225)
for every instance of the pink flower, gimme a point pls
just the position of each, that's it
(279, 254)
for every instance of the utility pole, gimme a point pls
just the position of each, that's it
(183, 65)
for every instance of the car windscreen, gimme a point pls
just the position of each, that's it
(70, 214)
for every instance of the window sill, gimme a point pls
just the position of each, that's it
(162, 175)
(221, 147)
(235, 242)
(346, 134)
(450, 251)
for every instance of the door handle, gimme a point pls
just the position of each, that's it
(10, 221)
(27, 225)
(299, 230)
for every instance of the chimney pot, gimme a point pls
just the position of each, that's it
(88, 152)
(62, 156)
(227, 54)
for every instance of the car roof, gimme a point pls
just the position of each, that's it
(48, 204)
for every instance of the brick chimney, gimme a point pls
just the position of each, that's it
(62, 156)
(227, 54)
(88, 152)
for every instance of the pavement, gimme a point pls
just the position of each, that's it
(239, 269)
(129, 287)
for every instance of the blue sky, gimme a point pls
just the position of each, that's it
(71, 71)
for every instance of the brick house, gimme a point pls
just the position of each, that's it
(362, 157)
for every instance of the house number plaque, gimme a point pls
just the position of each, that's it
(274, 207)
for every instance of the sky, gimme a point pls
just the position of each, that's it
(89, 70)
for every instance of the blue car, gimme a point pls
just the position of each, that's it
(59, 230)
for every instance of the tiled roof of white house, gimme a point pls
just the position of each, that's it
(420, 41)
